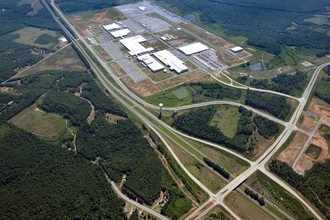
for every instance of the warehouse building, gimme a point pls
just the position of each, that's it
(236, 49)
(171, 61)
(193, 48)
(133, 44)
(110, 27)
(120, 33)
(151, 63)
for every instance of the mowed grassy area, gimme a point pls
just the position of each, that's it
(226, 119)
(244, 207)
(66, 59)
(40, 123)
(177, 96)
(29, 35)
(212, 181)
(229, 162)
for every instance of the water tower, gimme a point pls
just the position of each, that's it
(160, 108)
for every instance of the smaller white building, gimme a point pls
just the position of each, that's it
(236, 49)
(171, 61)
(63, 40)
(120, 33)
(151, 62)
(193, 48)
(112, 26)
(142, 8)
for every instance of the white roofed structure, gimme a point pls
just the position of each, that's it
(112, 26)
(236, 49)
(193, 48)
(120, 33)
(134, 46)
(171, 61)
(151, 62)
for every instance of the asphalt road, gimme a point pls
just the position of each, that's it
(238, 180)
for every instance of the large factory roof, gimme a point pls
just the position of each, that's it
(120, 33)
(134, 46)
(171, 61)
(112, 26)
(151, 62)
(193, 48)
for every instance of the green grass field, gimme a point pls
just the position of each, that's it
(212, 181)
(40, 123)
(231, 163)
(170, 97)
(226, 119)
(244, 207)
(29, 35)
(218, 213)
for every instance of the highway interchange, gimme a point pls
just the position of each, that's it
(137, 106)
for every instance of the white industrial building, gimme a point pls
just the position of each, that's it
(120, 33)
(171, 61)
(151, 62)
(63, 40)
(193, 48)
(236, 49)
(133, 44)
(110, 27)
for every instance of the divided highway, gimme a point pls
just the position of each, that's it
(124, 94)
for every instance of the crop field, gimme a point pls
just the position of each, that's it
(29, 35)
(66, 59)
(244, 207)
(212, 181)
(40, 123)
(277, 195)
(226, 119)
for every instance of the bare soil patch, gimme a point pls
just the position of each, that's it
(117, 69)
(291, 152)
(114, 119)
(144, 88)
(308, 124)
(319, 107)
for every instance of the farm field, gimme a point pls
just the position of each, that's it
(38, 122)
(65, 59)
(29, 36)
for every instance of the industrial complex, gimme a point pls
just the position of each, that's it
(150, 44)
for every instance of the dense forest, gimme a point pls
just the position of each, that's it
(196, 123)
(119, 148)
(314, 184)
(39, 180)
(274, 104)
(291, 84)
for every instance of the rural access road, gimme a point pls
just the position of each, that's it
(267, 154)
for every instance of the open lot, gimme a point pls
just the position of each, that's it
(29, 35)
(203, 174)
(244, 207)
(66, 59)
(289, 154)
(95, 18)
(40, 123)
(226, 119)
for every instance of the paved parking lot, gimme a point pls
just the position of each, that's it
(132, 70)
